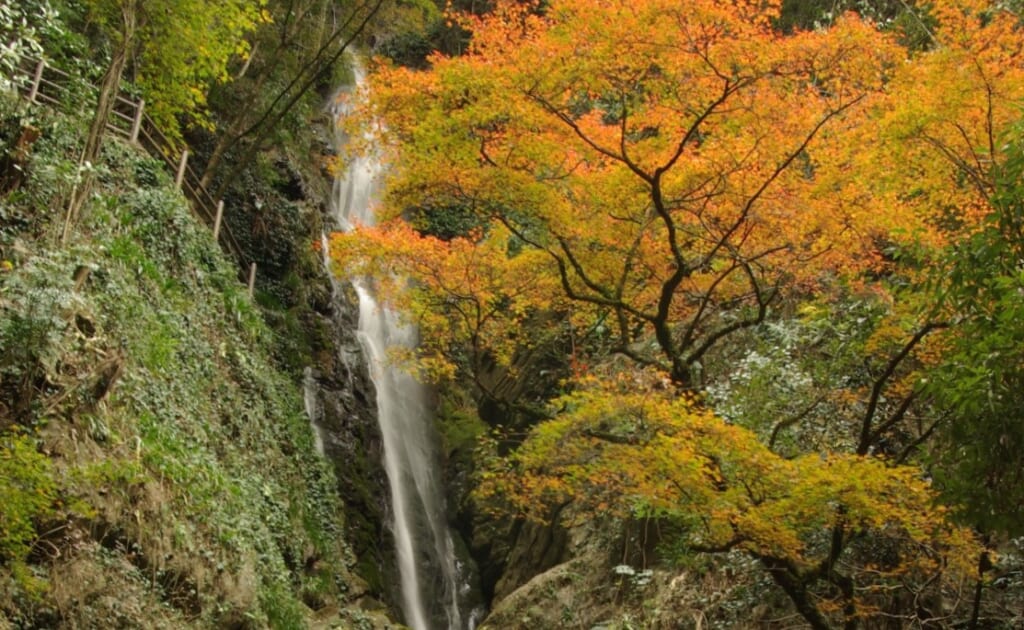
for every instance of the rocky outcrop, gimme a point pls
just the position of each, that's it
(555, 578)
(616, 573)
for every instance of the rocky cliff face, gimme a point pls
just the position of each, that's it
(345, 415)
(281, 216)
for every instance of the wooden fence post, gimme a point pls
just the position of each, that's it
(179, 179)
(217, 219)
(137, 121)
(182, 163)
(37, 78)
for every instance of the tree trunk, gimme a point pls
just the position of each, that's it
(109, 88)
(984, 565)
(108, 91)
(787, 579)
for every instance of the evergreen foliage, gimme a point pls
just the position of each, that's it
(981, 380)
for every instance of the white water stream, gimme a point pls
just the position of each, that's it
(313, 410)
(428, 569)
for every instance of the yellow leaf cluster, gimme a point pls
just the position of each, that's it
(630, 452)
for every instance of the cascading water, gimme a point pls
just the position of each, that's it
(313, 411)
(424, 545)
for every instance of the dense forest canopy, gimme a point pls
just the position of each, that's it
(782, 254)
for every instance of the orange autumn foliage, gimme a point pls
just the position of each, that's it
(924, 156)
(661, 158)
(681, 169)
(464, 291)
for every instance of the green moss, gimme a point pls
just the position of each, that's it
(29, 492)
(460, 427)
(282, 610)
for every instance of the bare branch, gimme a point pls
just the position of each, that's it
(865, 441)
(788, 422)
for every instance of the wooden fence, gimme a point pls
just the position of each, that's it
(41, 83)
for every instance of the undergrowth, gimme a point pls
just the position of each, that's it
(156, 468)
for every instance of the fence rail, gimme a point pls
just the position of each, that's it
(41, 83)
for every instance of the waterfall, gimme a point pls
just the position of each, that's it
(313, 410)
(431, 585)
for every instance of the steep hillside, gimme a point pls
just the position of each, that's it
(157, 469)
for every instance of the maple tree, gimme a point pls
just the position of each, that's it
(816, 522)
(666, 179)
(947, 149)
(466, 292)
(674, 202)
(934, 138)
(841, 375)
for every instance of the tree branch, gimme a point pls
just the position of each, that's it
(785, 424)
(864, 444)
